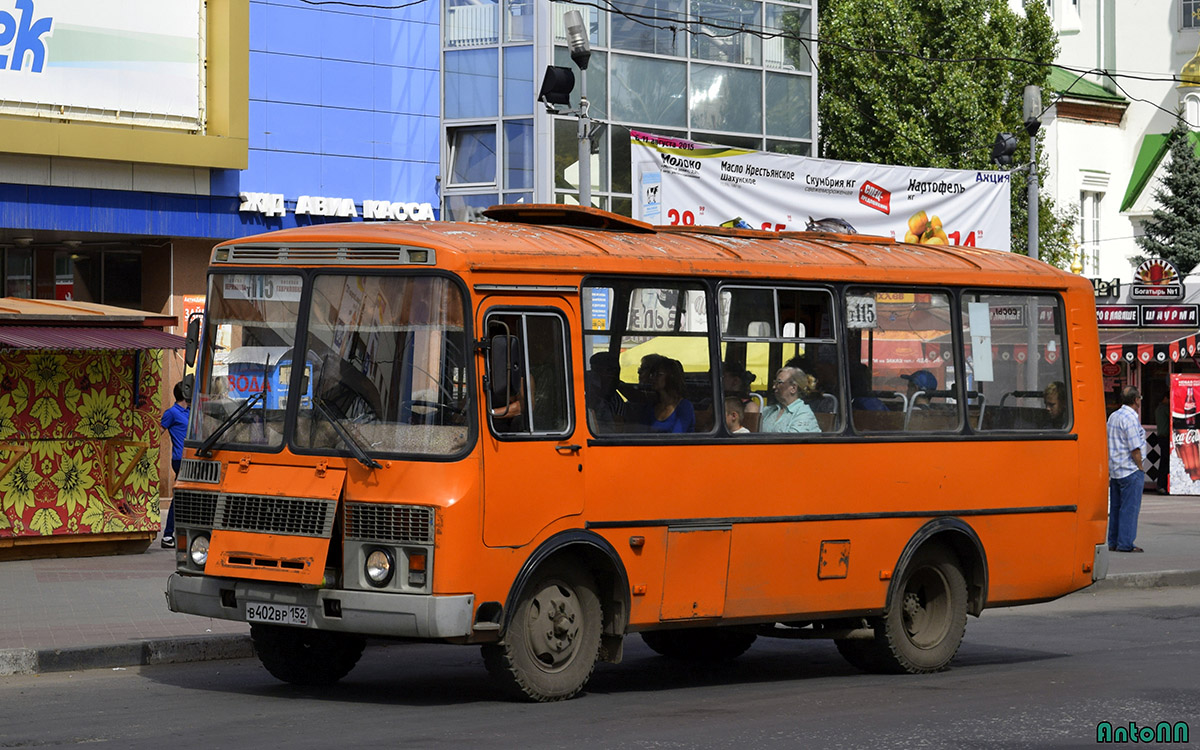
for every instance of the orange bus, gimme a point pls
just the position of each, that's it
(546, 432)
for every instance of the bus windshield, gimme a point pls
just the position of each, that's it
(242, 392)
(388, 357)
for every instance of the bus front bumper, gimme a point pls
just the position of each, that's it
(362, 612)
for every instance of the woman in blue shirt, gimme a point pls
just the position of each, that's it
(668, 410)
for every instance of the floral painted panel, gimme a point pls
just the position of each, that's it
(68, 431)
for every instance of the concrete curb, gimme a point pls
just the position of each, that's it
(1151, 580)
(135, 654)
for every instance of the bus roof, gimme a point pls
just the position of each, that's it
(559, 239)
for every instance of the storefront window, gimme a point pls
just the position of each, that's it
(18, 273)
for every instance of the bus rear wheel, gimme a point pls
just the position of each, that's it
(306, 657)
(699, 644)
(924, 624)
(553, 641)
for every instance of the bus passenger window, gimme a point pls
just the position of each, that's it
(902, 374)
(647, 352)
(1016, 362)
(535, 399)
(784, 339)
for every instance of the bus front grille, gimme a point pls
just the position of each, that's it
(194, 508)
(401, 524)
(276, 515)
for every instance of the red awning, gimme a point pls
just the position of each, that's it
(82, 337)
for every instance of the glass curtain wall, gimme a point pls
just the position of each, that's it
(731, 72)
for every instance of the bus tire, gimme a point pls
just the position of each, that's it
(552, 643)
(306, 657)
(699, 644)
(925, 621)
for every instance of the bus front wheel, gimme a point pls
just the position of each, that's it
(925, 621)
(306, 657)
(553, 640)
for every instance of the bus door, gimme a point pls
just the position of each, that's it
(533, 459)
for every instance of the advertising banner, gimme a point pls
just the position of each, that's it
(121, 61)
(1184, 461)
(683, 182)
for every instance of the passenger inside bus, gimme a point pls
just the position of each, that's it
(735, 412)
(607, 402)
(1055, 396)
(860, 389)
(735, 382)
(920, 383)
(668, 410)
(791, 413)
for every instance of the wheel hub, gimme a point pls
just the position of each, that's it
(554, 618)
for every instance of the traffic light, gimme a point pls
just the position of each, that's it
(557, 85)
(1003, 148)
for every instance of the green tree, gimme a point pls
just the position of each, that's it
(1173, 229)
(929, 83)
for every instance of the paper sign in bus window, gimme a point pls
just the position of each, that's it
(980, 323)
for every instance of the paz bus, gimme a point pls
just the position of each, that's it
(480, 457)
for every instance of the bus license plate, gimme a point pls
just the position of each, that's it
(273, 613)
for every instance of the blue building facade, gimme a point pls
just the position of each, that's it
(302, 113)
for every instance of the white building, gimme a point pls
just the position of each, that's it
(1104, 134)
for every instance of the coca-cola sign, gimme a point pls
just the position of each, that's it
(1183, 461)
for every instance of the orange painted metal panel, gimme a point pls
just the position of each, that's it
(695, 575)
(266, 557)
(253, 477)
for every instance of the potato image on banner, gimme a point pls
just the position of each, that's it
(917, 223)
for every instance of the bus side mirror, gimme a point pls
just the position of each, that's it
(189, 381)
(504, 367)
(193, 341)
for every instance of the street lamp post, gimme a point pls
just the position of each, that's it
(1032, 107)
(581, 53)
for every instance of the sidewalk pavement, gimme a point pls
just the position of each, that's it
(97, 612)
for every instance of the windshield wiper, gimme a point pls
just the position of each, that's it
(349, 439)
(205, 448)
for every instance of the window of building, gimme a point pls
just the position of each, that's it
(1089, 231)
(1190, 14)
(471, 84)
(18, 272)
(473, 155)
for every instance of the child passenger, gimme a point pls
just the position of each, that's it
(735, 412)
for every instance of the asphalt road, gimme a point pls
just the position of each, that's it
(1035, 676)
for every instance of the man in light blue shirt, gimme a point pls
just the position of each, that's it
(790, 414)
(1126, 438)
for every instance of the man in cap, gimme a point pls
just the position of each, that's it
(920, 383)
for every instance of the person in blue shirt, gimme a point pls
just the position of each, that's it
(667, 410)
(175, 421)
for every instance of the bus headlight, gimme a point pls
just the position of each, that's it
(379, 567)
(198, 550)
